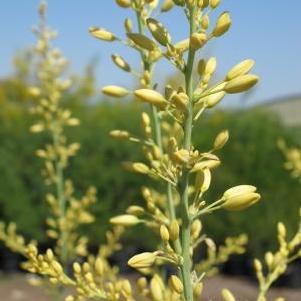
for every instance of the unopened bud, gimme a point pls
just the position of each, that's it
(223, 24)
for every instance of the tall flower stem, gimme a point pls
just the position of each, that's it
(186, 220)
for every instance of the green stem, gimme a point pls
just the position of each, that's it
(186, 220)
(61, 198)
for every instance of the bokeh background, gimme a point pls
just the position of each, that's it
(267, 31)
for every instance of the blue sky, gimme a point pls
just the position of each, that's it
(268, 31)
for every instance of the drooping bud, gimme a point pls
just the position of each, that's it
(125, 220)
(176, 284)
(214, 3)
(164, 233)
(142, 41)
(227, 295)
(240, 197)
(158, 31)
(151, 96)
(124, 3)
(167, 5)
(221, 139)
(223, 24)
(241, 83)
(121, 63)
(115, 91)
(102, 34)
(143, 260)
(240, 69)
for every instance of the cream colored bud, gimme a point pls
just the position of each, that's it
(118, 134)
(241, 83)
(221, 139)
(180, 100)
(211, 66)
(124, 3)
(140, 168)
(167, 5)
(37, 128)
(203, 180)
(214, 3)
(135, 210)
(198, 40)
(145, 119)
(156, 288)
(257, 265)
(164, 233)
(174, 230)
(69, 298)
(102, 34)
(227, 295)
(158, 31)
(115, 91)
(128, 25)
(269, 258)
(142, 283)
(197, 290)
(281, 229)
(142, 41)
(151, 96)
(213, 99)
(223, 24)
(240, 197)
(181, 156)
(211, 164)
(183, 45)
(121, 63)
(196, 229)
(34, 91)
(99, 266)
(240, 69)
(176, 284)
(125, 220)
(127, 288)
(143, 260)
(205, 22)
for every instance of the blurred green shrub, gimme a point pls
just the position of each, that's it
(251, 156)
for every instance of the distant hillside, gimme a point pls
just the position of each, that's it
(288, 108)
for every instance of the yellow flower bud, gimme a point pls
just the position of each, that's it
(213, 99)
(102, 34)
(196, 229)
(203, 3)
(167, 5)
(158, 31)
(214, 3)
(118, 134)
(181, 156)
(211, 164)
(128, 25)
(223, 24)
(211, 66)
(151, 96)
(164, 233)
(281, 229)
(180, 100)
(257, 266)
(121, 63)
(240, 197)
(205, 22)
(115, 91)
(221, 139)
(179, 2)
(176, 284)
(156, 288)
(99, 266)
(240, 69)
(135, 210)
(124, 3)
(241, 83)
(174, 230)
(227, 295)
(197, 290)
(125, 220)
(143, 260)
(183, 45)
(201, 67)
(203, 180)
(142, 41)
(198, 40)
